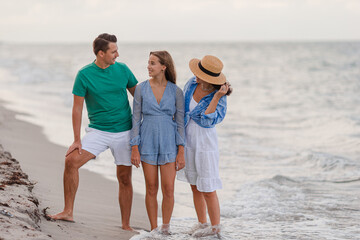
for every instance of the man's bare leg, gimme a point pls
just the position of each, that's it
(71, 182)
(125, 194)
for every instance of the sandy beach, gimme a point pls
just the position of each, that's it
(97, 212)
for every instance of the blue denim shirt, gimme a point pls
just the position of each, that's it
(198, 113)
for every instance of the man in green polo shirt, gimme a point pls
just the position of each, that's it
(103, 85)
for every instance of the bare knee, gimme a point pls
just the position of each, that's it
(152, 189)
(193, 188)
(168, 190)
(209, 195)
(124, 180)
(71, 162)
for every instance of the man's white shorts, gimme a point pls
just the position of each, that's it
(96, 142)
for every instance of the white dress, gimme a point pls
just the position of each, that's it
(201, 156)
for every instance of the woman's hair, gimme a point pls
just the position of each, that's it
(217, 87)
(102, 42)
(166, 60)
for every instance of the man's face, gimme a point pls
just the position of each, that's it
(111, 54)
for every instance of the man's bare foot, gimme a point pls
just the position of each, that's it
(62, 216)
(127, 228)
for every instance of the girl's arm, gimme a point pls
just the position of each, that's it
(135, 131)
(180, 130)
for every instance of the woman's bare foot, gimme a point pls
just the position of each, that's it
(63, 216)
(127, 228)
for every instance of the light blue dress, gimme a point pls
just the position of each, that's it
(158, 128)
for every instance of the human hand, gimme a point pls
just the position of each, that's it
(223, 90)
(75, 145)
(135, 156)
(180, 159)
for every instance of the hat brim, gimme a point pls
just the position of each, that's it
(194, 67)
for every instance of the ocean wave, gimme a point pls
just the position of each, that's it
(270, 199)
(327, 167)
(328, 162)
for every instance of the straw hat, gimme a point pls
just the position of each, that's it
(208, 69)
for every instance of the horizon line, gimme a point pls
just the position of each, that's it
(191, 41)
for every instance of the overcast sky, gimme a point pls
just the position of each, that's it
(179, 20)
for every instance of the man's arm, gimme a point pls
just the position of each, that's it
(76, 121)
(132, 90)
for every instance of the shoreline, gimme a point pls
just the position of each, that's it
(96, 213)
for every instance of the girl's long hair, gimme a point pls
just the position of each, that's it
(166, 60)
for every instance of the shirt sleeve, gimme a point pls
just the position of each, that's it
(211, 119)
(179, 117)
(132, 81)
(136, 117)
(79, 88)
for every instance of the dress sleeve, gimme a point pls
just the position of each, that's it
(179, 117)
(136, 118)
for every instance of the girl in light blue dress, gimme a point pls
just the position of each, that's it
(157, 136)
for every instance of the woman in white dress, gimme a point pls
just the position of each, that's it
(205, 106)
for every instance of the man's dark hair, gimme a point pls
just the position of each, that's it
(102, 42)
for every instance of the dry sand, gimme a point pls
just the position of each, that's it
(19, 213)
(97, 212)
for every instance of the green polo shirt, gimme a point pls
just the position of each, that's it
(106, 96)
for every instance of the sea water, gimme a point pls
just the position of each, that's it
(289, 145)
